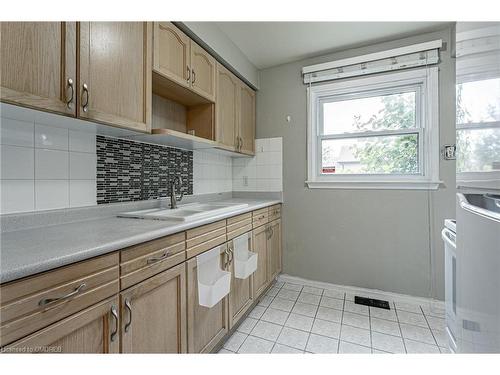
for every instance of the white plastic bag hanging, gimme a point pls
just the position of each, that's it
(213, 283)
(245, 261)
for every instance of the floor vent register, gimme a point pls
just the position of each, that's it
(381, 304)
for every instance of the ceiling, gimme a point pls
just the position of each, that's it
(268, 44)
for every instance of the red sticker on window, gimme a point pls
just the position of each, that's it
(328, 170)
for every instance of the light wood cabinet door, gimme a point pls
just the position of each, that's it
(226, 108)
(261, 275)
(115, 73)
(241, 294)
(246, 120)
(171, 57)
(274, 248)
(153, 314)
(206, 326)
(203, 67)
(38, 60)
(93, 330)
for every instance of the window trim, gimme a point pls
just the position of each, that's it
(427, 80)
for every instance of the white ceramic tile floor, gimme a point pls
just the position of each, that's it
(294, 318)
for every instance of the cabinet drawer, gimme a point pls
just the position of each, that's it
(204, 238)
(260, 217)
(274, 212)
(35, 302)
(142, 261)
(238, 225)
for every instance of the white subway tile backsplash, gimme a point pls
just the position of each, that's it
(51, 194)
(274, 158)
(17, 196)
(51, 164)
(17, 162)
(82, 142)
(276, 144)
(82, 166)
(212, 173)
(17, 133)
(264, 172)
(275, 184)
(82, 193)
(50, 137)
(262, 145)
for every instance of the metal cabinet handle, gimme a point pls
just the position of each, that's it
(194, 76)
(226, 257)
(69, 102)
(114, 314)
(46, 301)
(129, 308)
(268, 231)
(87, 97)
(188, 73)
(157, 259)
(231, 253)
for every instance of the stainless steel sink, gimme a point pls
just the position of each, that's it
(186, 212)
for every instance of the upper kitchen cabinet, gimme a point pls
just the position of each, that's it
(178, 63)
(183, 90)
(235, 120)
(115, 73)
(203, 68)
(38, 65)
(246, 119)
(227, 108)
(171, 53)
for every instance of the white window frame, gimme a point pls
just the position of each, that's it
(426, 82)
(477, 69)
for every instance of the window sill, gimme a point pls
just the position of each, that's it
(375, 185)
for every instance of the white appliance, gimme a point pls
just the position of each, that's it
(478, 273)
(473, 272)
(450, 266)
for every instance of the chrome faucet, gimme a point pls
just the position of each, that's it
(176, 181)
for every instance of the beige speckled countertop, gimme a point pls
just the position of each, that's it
(30, 251)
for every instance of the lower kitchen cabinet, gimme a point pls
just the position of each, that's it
(241, 294)
(206, 326)
(130, 302)
(274, 249)
(93, 330)
(261, 275)
(153, 314)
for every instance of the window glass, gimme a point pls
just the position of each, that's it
(478, 150)
(394, 154)
(382, 112)
(478, 101)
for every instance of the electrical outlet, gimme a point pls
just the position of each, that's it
(450, 152)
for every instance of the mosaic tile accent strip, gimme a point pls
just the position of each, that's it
(131, 171)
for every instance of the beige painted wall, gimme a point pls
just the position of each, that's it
(381, 239)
